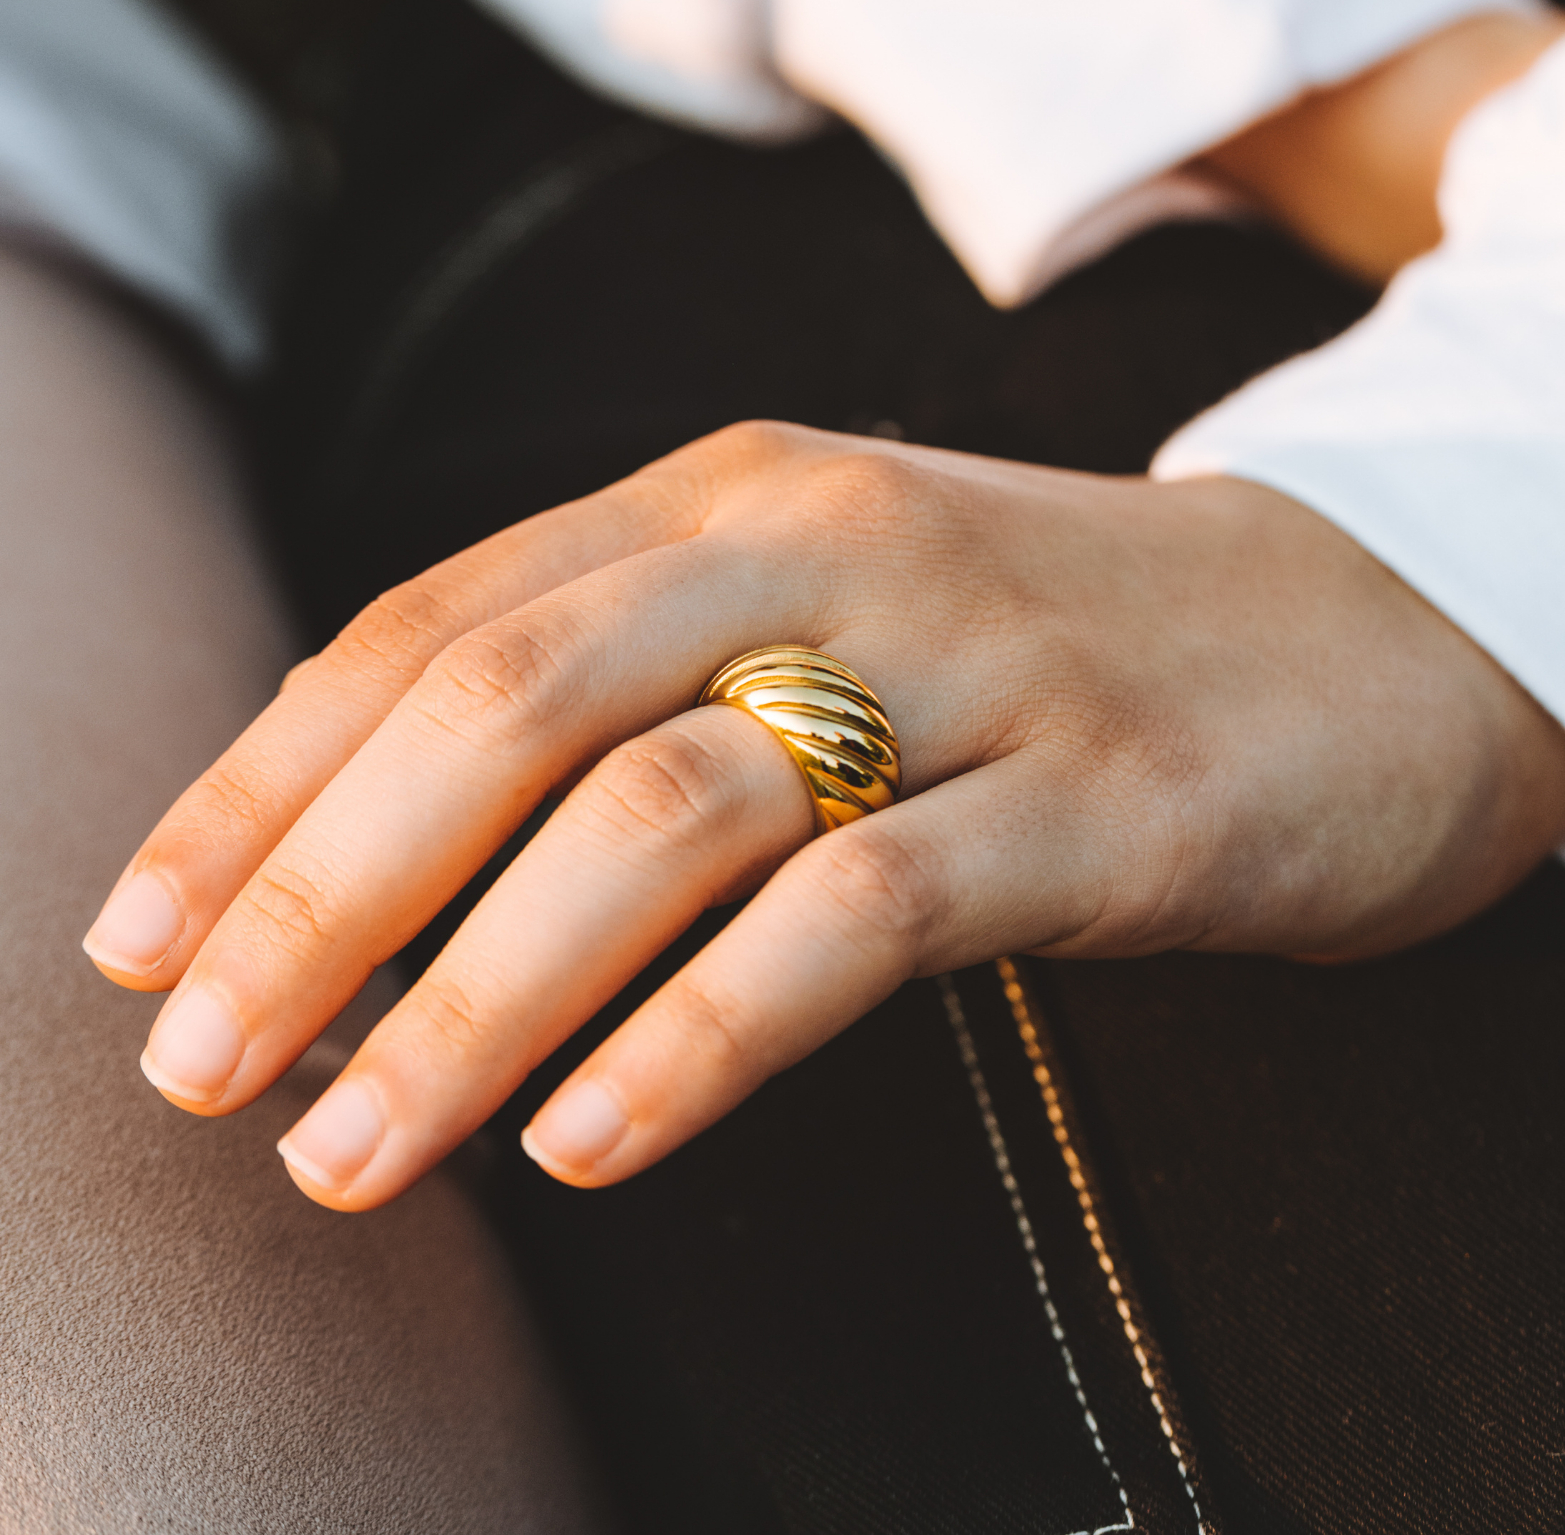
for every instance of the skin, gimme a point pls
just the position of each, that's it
(1353, 171)
(1133, 717)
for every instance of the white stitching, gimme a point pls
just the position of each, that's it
(1002, 1162)
(1016, 995)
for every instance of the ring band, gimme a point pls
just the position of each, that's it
(832, 725)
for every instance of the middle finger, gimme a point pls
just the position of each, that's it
(501, 717)
(668, 825)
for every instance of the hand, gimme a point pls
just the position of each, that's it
(1133, 717)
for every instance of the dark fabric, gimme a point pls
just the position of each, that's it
(1299, 1230)
(822, 1316)
(524, 293)
(1344, 1197)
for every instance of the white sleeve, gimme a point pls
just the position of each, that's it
(1036, 133)
(702, 63)
(1434, 430)
(122, 140)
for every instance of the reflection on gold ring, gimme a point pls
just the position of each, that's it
(834, 727)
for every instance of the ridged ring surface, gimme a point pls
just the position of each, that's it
(834, 727)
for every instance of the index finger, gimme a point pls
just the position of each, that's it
(223, 827)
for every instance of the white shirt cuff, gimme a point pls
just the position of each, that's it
(1434, 430)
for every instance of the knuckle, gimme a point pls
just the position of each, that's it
(401, 631)
(453, 1014)
(730, 456)
(663, 785)
(707, 1021)
(294, 902)
(756, 441)
(876, 501)
(492, 680)
(885, 888)
(874, 482)
(232, 801)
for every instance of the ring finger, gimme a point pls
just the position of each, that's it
(503, 716)
(672, 823)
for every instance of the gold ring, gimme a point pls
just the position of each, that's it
(832, 725)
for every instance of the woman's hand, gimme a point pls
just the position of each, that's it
(1133, 717)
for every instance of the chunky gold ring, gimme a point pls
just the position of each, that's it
(834, 727)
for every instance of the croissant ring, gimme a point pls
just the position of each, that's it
(832, 725)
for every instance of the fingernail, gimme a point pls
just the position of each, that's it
(195, 1047)
(576, 1128)
(137, 928)
(334, 1142)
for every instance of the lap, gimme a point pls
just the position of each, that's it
(187, 1343)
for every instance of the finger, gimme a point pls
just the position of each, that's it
(502, 716)
(665, 827)
(935, 883)
(212, 841)
(217, 833)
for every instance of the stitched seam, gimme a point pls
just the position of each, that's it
(1016, 995)
(1002, 1162)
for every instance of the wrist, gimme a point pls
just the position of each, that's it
(1354, 170)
